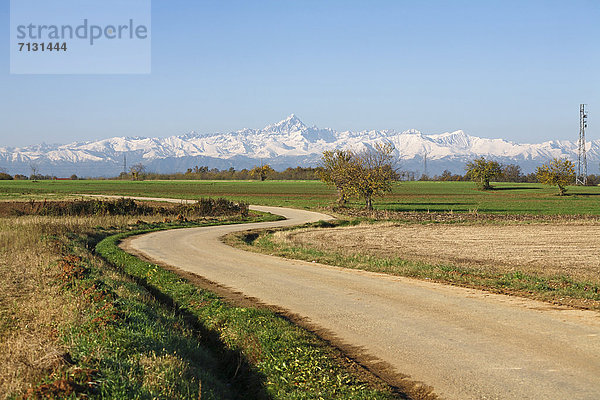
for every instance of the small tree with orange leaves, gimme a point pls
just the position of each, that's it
(557, 172)
(261, 172)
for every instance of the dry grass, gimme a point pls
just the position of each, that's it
(32, 308)
(162, 372)
(569, 249)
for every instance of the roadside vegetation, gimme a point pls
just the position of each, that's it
(73, 325)
(292, 362)
(124, 206)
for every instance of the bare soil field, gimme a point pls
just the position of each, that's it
(548, 249)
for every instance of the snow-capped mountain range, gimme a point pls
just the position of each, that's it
(288, 143)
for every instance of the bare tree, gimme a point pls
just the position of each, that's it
(35, 170)
(137, 171)
(512, 173)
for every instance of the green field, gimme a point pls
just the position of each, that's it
(513, 198)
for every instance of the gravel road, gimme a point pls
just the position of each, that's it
(466, 344)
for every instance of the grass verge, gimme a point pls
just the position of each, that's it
(73, 325)
(289, 361)
(126, 344)
(557, 289)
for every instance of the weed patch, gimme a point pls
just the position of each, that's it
(76, 382)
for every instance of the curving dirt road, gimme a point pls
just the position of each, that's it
(466, 344)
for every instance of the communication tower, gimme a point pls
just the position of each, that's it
(581, 178)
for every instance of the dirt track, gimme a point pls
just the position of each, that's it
(465, 343)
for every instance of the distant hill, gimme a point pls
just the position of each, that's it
(288, 143)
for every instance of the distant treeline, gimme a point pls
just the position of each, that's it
(204, 173)
(34, 177)
(510, 173)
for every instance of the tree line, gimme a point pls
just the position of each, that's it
(34, 177)
(262, 172)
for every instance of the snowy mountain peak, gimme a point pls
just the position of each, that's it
(288, 125)
(457, 138)
(412, 132)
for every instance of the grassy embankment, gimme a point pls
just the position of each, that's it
(457, 197)
(72, 324)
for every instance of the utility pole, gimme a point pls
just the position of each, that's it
(124, 163)
(581, 178)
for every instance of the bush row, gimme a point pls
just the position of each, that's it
(124, 206)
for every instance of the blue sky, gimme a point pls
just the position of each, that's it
(511, 69)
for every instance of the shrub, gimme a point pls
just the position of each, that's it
(124, 206)
(212, 207)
